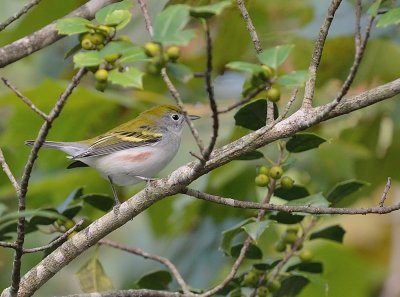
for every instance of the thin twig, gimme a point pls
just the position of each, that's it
(246, 99)
(20, 13)
(385, 192)
(56, 241)
(317, 54)
(290, 209)
(10, 245)
(44, 130)
(8, 172)
(211, 95)
(131, 293)
(146, 255)
(146, 17)
(289, 104)
(250, 26)
(25, 99)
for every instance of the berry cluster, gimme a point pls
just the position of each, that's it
(160, 56)
(275, 172)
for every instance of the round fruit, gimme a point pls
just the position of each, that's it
(280, 246)
(152, 68)
(152, 49)
(287, 182)
(261, 180)
(97, 38)
(106, 30)
(267, 72)
(250, 279)
(111, 58)
(306, 256)
(173, 53)
(274, 286)
(263, 170)
(262, 291)
(86, 44)
(101, 85)
(289, 238)
(276, 172)
(101, 75)
(273, 94)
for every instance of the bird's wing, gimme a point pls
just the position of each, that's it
(114, 141)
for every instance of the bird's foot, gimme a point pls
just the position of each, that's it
(147, 180)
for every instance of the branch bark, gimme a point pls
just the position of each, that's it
(178, 180)
(47, 35)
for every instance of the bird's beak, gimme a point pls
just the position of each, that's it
(193, 117)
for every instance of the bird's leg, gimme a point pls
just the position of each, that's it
(148, 180)
(117, 202)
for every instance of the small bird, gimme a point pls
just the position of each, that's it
(132, 152)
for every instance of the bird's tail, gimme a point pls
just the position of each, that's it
(70, 148)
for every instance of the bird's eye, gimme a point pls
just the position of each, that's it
(175, 117)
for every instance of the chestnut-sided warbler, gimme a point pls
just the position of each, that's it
(133, 151)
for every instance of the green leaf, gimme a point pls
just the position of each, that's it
(252, 115)
(180, 72)
(3, 208)
(44, 219)
(29, 214)
(296, 192)
(169, 24)
(72, 25)
(292, 286)
(256, 229)
(208, 11)
(87, 59)
(301, 142)
(228, 235)
(313, 267)
(274, 57)
(253, 252)
(73, 51)
(132, 77)
(92, 277)
(115, 14)
(158, 280)
(334, 233)
(244, 66)
(254, 155)
(343, 189)
(316, 200)
(314, 278)
(286, 218)
(72, 211)
(293, 79)
(128, 51)
(268, 264)
(99, 201)
(392, 17)
(373, 9)
(75, 194)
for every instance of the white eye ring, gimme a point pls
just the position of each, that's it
(175, 117)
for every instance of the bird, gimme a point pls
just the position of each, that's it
(131, 152)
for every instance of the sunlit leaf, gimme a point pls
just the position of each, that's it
(116, 13)
(274, 57)
(316, 200)
(256, 229)
(391, 17)
(293, 79)
(301, 142)
(87, 59)
(244, 66)
(228, 235)
(92, 277)
(207, 11)
(334, 233)
(72, 25)
(132, 77)
(373, 9)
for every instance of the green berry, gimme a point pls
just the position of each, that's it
(173, 53)
(287, 182)
(276, 172)
(262, 291)
(86, 44)
(152, 49)
(250, 279)
(111, 58)
(101, 85)
(273, 94)
(289, 237)
(267, 72)
(274, 286)
(97, 38)
(263, 170)
(280, 246)
(106, 30)
(306, 255)
(152, 68)
(101, 75)
(124, 38)
(261, 180)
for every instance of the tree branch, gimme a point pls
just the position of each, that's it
(8, 172)
(250, 26)
(20, 13)
(131, 293)
(47, 35)
(179, 179)
(146, 255)
(317, 54)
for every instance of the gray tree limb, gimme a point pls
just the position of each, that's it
(47, 35)
(178, 180)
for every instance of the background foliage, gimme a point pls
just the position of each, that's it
(362, 146)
